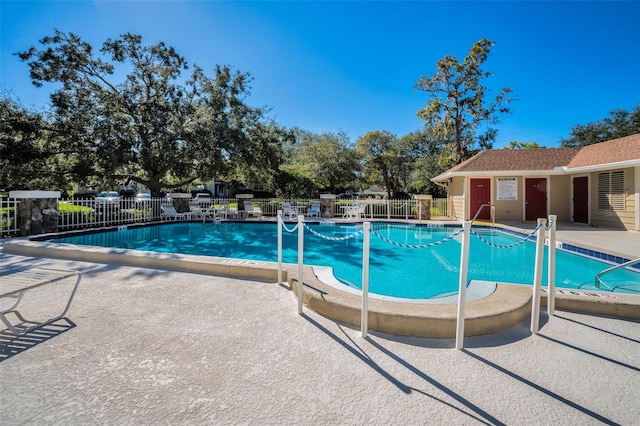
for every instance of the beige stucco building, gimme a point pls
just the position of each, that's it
(597, 184)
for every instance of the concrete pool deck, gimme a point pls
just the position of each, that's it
(497, 310)
(154, 347)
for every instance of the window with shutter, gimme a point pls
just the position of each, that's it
(611, 191)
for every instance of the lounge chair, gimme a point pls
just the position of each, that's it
(314, 210)
(15, 285)
(252, 210)
(169, 212)
(287, 210)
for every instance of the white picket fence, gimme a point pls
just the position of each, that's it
(87, 213)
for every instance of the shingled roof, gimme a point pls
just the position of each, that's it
(558, 160)
(517, 159)
(613, 151)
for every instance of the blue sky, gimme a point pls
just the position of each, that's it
(330, 66)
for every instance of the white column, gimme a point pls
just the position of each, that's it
(551, 273)
(300, 262)
(462, 284)
(366, 242)
(280, 247)
(537, 278)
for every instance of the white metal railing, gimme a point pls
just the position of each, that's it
(8, 216)
(80, 213)
(466, 232)
(493, 212)
(613, 268)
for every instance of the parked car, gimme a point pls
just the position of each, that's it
(202, 198)
(127, 192)
(143, 197)
(108, 199)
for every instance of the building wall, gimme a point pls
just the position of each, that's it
(616, 218)
(456, 194)
(560, 202)
(559, 197)
(511, 209)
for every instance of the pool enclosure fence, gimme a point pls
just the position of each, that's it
(82, 213)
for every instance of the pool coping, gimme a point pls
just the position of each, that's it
(507, 306)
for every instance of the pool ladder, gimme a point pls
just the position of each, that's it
(613, 268)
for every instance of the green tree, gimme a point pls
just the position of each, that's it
(382, 158)
(424, 152)
(522, 145)
(456, 108)
(23, 148)
(155, 126)
(328, 159)
(619, 124)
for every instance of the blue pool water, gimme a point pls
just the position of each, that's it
(394, 270)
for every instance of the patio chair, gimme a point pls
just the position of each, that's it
(314, 210)
(287, 210)
(252, 210)
(170, 212)
(355, 211)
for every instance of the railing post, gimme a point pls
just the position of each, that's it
(364, 321)
(280, 247)
(537, 277)
(551, 277)
(300, 262)
(388, 208)
(462, 284)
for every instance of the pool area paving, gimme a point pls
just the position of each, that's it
(147, 346)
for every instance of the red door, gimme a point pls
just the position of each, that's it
(581, 199)
(480, 194)
(535, 198)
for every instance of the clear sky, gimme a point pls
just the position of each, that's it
(330, 66)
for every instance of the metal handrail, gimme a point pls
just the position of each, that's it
(614, 268)
(493, 212)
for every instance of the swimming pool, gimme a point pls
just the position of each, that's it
(394, 271)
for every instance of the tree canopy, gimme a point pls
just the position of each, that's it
(130, 113)
(522, 145)
(456, 107)
(327, 159)
(22, 145)
(620, 123)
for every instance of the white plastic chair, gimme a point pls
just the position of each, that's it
(314, 210)
(170, 212)
(252, 210)
(287, 210)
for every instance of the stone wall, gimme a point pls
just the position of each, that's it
(38, 216)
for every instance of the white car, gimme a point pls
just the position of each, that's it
(108, 198)
(143, 197)
(202, 198)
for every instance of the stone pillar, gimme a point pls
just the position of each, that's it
(32, 206)
(327, 203)
(241, 199)
(423, 207)
(50, 218)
